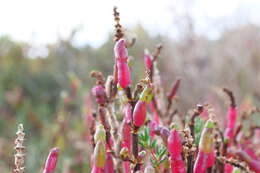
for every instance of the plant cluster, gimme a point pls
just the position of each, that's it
(135, 128)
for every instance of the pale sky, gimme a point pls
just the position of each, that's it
(43, 21)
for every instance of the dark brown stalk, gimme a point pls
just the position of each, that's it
(231, 97)
(134, 129)
(171, 94)
(172, 116)
(119, 31)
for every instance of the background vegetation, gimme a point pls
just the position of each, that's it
(50, 95)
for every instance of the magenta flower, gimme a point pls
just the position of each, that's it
(175, 149)
(139, 114)
(148, 60)
(99, 92)
(51, 161)
(232, 116)
(123, 71)
(109, 165)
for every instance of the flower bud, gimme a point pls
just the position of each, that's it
(109, 166)
(123, 71)
(174, 143)
(100, 134)
(120, 49)
(99, 155)
(174, 89)
(51, 161)
(232, 116)
(148, 60)
(206, 157)
(139, 113)
(175, 149)
(99, 92)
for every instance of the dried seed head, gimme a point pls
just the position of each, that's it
(20, 151)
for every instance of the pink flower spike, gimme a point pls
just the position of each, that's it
(148, 60)
(51, 161)
(232, 116)
(174, 143)
(175, 149)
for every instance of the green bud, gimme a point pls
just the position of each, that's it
(100, 154)
(209, 124)
(147, 94)
(100, 134)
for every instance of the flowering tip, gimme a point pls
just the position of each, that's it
(100, 134)
(174, 143)
(139, 114)
(51, 161)
(120, 50)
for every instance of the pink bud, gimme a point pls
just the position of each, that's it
(254, 164)
(175, 149)
(109, 166)
(228, 168)
(99, 92)
(174, 143)
(174, 89)
(120, 49)
(123, 71)
(232, 116)
(139, 114)
(51, 161)
(95, 169)
(148, 60)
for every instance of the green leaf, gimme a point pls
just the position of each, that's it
(199, 124)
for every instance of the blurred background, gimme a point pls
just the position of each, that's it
(48, 48)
